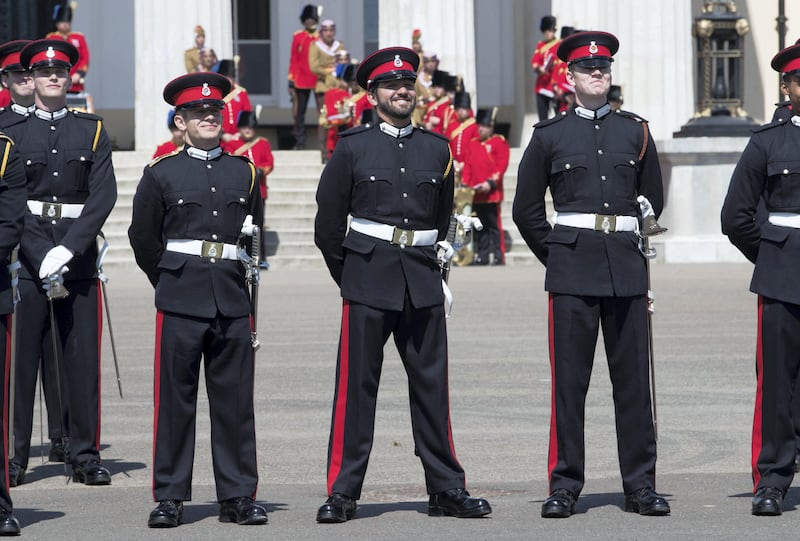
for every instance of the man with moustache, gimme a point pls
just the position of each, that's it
(396, 181)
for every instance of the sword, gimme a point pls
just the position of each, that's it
(650, 228)
(13, 270)
(252, 275)
(57, 290)
(101, 254)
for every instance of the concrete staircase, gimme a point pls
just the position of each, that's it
(290, 210)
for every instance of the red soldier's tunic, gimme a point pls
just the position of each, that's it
(76, 39)
(299, 72)
(5, 97)
(543, 56)
(334, 113)
(488, 160)
(561, 85)
(235, 102)
(259, 151)
(443, 110)
(460, 136)
(165, 148)
(361, 105)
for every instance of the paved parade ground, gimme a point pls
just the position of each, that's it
(500, 404)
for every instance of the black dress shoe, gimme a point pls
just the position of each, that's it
(646, 501)
(8, 524)
(767, 502)
(167, 514)
(16, 474)
(58, 451)
(337, 508)
(90, 472)
(560, 504)
(242, 510)
(457, 502)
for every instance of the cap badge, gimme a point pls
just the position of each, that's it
(50, 53)
(206, 91)
(397, 62)
(593, 47)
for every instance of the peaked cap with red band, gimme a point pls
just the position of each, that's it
(46, 53)
(588, 49)
(202, 89)
(787, 60)
(388, 64)
(9, 55)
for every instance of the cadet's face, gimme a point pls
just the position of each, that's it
(51, 82)
(591, 84)
(791, 89)
(20, 83)
(395, 101)
(201, 127)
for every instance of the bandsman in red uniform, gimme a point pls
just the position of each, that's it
(62, 17)
(175, 143)
(301, 79)
(323, 56)
(423, 87)
(484, 167)
(440, 111)
(563, 90)
(463, 131)
(257, 148)
(542, 64)
(236, 102)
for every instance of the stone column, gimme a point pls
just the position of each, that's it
(164, 30)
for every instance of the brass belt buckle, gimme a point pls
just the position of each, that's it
(605, 223)
(52, 210)
(403, 237)
(211, 249)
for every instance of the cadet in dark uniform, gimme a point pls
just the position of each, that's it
(769, 169)
(397, 183)
(188, 214)
(71, 191)
(12, 218)
(595, 164)
(16, 79)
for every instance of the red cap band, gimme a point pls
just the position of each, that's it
(50, 55)
(593, 49)
(398, 64)
(12, 58)
(791, 65)
(198, 93)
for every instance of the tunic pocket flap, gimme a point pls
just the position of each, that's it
(624, 159)
(78, 156)
(563, 235)
(188, 197)
(783, 168)
(566, 163)
(172, 260)
(775, 233)
(359, 243)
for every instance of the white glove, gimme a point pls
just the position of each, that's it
(54, 261)
(247, 227)
(468, 222)
(444, 251)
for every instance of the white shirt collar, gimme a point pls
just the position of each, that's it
(589, 114)
(388, 129)
(22, 110)
(795, 120)
(47, 115)
(206, 155)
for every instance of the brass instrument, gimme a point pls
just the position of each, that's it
(462, 204)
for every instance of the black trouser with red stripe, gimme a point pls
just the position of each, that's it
(421, 339)
(5, 363)
(574, 322)
(78, 318)
(777, 367)
(224, 345)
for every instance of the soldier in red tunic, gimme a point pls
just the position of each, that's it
(236, 102)
(463, 131)
(542, 64)
(62, 17)
(176, 143)
(301, 79)
(440, 111)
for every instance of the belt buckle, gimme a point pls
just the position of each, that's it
(52, 210)
(211, 249)
(403, 237)
(605, 223)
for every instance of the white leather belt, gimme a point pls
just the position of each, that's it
(203, 248)
(785, 219)
(55, 210)
(598, 222)
(395, 235)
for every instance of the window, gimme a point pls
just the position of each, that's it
(252, 41)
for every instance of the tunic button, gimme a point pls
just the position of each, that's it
(208, 165)
(55, 173)
(596, 126)
(214, 236)
(54, 151)
(599, 150)
(632, 162)
(567, 166)
(605, 205)
(55, 198)
(213, 188)
(372, 177)
(400, 145)
(213, 260)
(53, 222)
(28, 162)
(83, 159)
(785, 171)
(402, 169)
(242, 200)
(603, 177)
(405, 220)
(405, 194)
(52, 128)
(214, 212)
(433, 180)
(180, 201)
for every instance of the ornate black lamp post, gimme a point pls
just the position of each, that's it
(719, 34)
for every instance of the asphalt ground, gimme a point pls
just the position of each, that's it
(500, 401)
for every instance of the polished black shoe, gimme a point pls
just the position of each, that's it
(16, 474)
(242, 510)
(646, 501)
(8, 524)
(337, 508)
(167, 514)
(457, 502)
(90, 472)
(767, 502)
(58, 451)
(560, 504)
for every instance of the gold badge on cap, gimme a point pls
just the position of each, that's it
(50, 52)
(397, 62)
(205, 91)
(593, 47)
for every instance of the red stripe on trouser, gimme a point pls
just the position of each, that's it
(340, 406)
(99, 349)
(757, 442)
(552, 454)
(156, 388)
(6, 375)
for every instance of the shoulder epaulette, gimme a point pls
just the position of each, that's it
(80, 113)
(357, 129)
(768, 125)
(439, 135)
(169, 155)
(4, 137)
(549, 121)
(632, 116)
